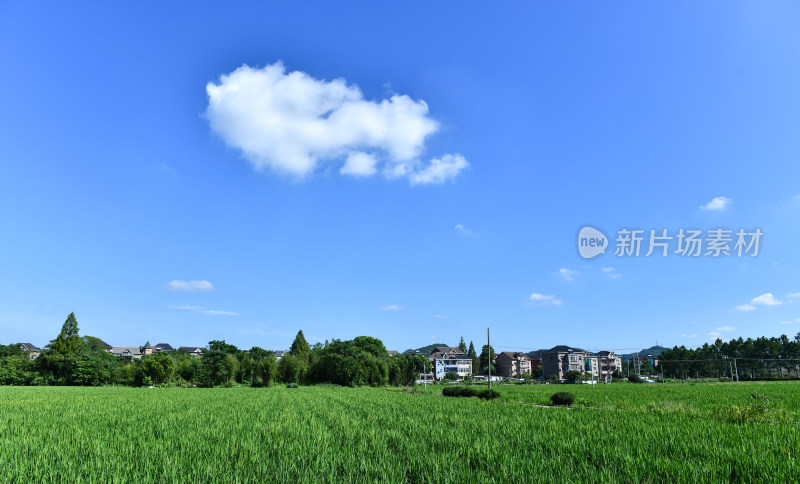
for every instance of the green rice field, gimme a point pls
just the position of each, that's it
(705, 432)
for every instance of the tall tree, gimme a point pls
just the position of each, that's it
(462, 346)
(474, 356)
(487, 358)
(300, 347)
(68, 342)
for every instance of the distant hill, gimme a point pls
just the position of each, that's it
(653, 350)
(537, 355)
(425, 350)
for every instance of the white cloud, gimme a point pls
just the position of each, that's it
(714, 334)
(611, 273)
(359, 164)
(793, 295)
(215, 312)
(725, 328)
(567, 274)
(391, 307)
(462, 230)
(220, 313)
(545, 299)
(788, 322)
(718, 203)
(185, 306)
(190, 286)
(440, 170)
(765, 300)
(292, 122)
(796, 197)
(441, 316)
(690, 336)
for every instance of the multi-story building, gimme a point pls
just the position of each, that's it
(511, 364)
(448, 359)
(560, 360)
(607, 364)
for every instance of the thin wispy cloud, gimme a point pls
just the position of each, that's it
(793, 295)
(462, 230)
(545, 299)
(391, 307)
(201, 309)
(745, 307)
(717, 332)
(190, 286)
(690, 336)
(567, 274)
(293, 123)
(790, 321)
(611, 273)
(441, 316)
(187, 307)
(220, 313)
(717, 204)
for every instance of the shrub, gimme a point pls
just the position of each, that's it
(635, 379)
(451, 391)
(291, 385)
(451, 375)
(487, 394)
(562, 398)
(467, 392)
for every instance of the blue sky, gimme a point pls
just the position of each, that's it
(484, 138)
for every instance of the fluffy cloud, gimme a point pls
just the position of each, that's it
(567, 274)
(718, 203)
(292, 122)
(545, 299)
(190, 286)
(391, 307)
(763, 300)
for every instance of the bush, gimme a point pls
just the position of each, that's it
(467, 392)
(635, 379)
(451, 391)
(487, 394)
(562, 398)
(451, 375)
(291, 385)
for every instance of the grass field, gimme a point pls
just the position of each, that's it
(747, 432)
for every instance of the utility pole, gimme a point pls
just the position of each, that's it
(736, 369)
(489, 354)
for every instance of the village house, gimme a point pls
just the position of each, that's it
(448, 359)
(32, 351)
(513, 364)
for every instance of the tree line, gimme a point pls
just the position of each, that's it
(747, 359)
(71, 359)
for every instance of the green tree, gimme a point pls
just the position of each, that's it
(300, 348)
(68, 342)
(289, 368)
(486, 358)
(462, 346)
(451, 375)
(474, 356)
(574, 376)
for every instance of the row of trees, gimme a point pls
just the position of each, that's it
(750, 359)
(71, 359)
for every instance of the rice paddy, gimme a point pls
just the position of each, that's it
(623, 432)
